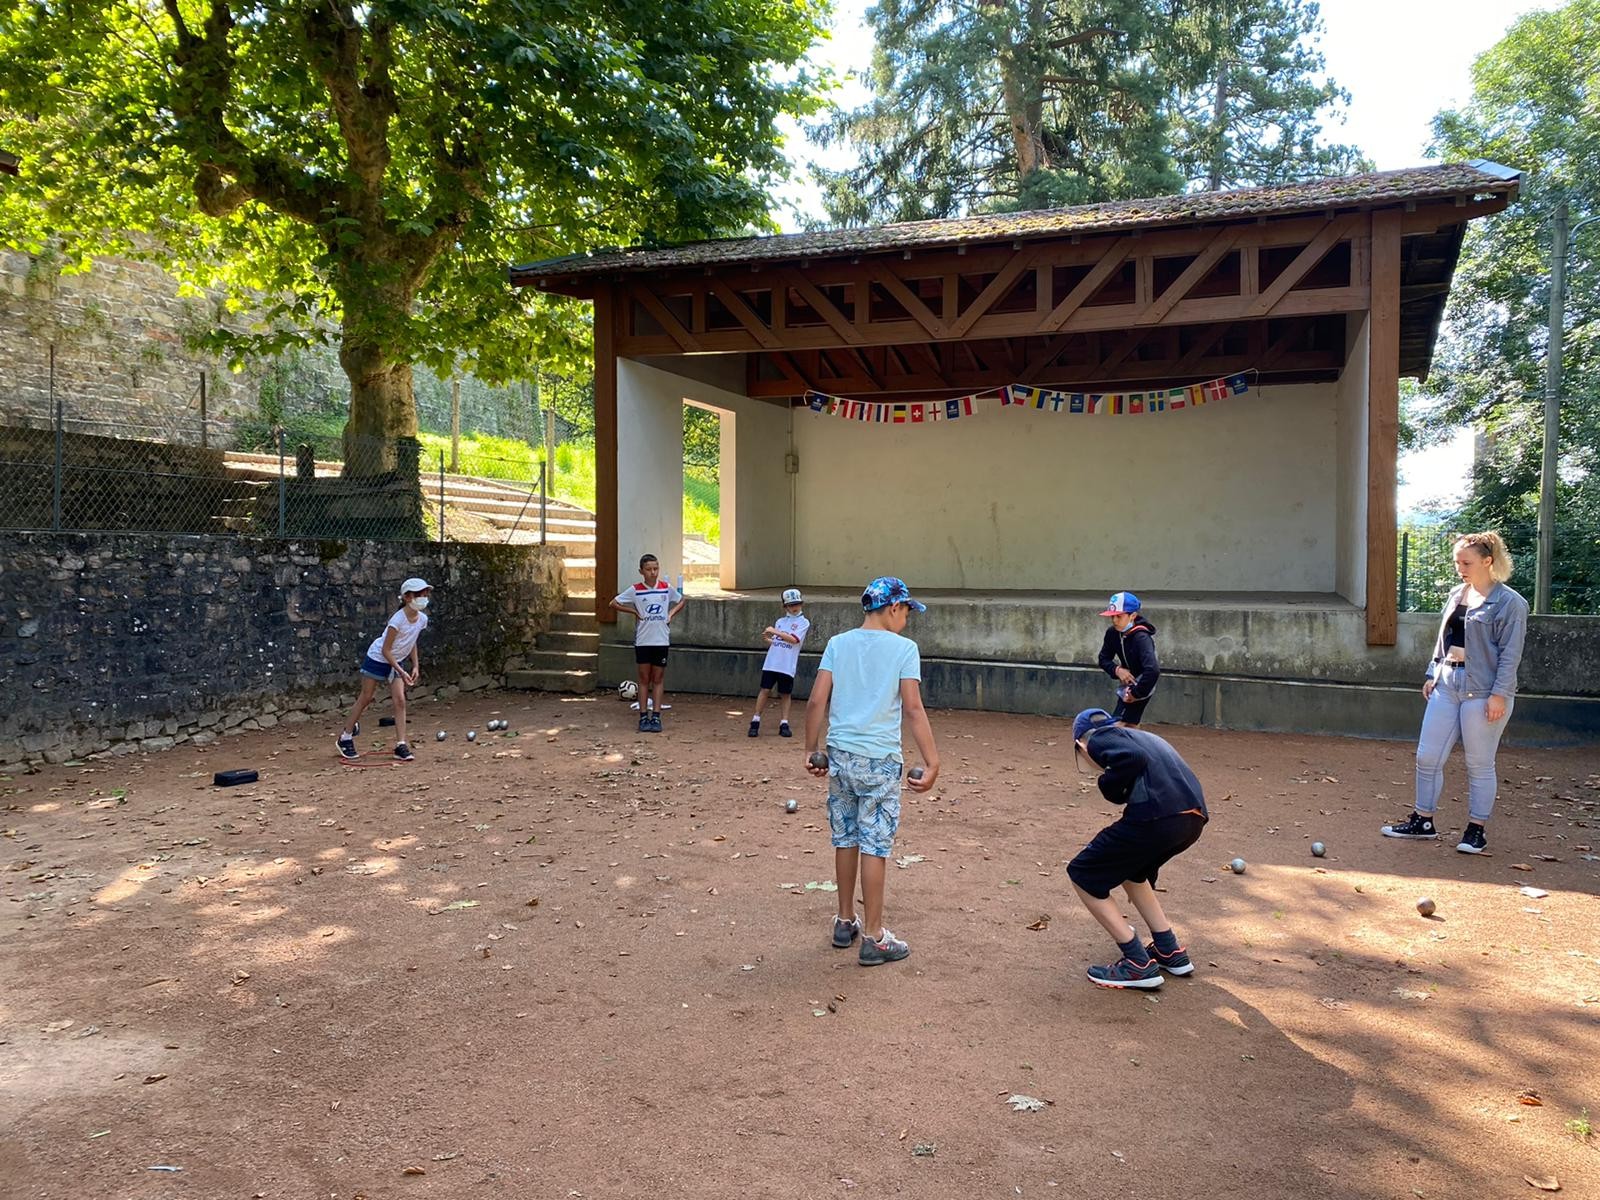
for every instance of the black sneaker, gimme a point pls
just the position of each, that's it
(1414, 826)
(347, 748)
(1128, 974)
(783, 729)
(644, 722)
(1472, 841)
(755, 729)
(1176, 963)
(402, 753)
(655, 723)
(844, 932)
(877, 951)
(355, 730)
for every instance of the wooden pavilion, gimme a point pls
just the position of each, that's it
(1324, 293)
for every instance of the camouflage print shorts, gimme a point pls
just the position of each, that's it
(863, 801)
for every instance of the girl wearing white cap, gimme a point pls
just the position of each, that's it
(383, 665)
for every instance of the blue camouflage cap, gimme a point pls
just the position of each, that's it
(886, 590)
(1088, 721)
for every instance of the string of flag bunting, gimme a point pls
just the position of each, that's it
(1020, 396)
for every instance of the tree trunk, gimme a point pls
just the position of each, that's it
(1219, 130)
(383, 407)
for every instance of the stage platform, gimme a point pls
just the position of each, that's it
(1292, 662)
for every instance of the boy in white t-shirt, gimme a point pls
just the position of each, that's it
(382, 665)
(867, 677)
(784, 637)
(654, 602)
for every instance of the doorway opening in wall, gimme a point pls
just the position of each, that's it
(705, 431)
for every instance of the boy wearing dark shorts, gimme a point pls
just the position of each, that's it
(1128, 655)
(1163, 816)
(784, 638)
(654, 602)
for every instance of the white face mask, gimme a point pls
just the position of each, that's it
(420, 603)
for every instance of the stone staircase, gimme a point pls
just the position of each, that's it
(567, 658)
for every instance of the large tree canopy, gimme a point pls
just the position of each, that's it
(377, 165)
(1532, 106)
(1036, 103)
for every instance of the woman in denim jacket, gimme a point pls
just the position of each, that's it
(1470, 688)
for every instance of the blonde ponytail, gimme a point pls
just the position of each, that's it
(1489, 545)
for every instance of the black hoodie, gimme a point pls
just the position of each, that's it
(1134, 648)
(1145, 773)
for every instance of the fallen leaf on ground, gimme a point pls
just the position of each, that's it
(906, 860)
(58, 1026)
(1529, 1096)
(827, 885)
(1042, 923)
(1520, 867)
(154, 1078)
(1547, 1184)
(1020, 1103)
(924, 1149)
(453, 906)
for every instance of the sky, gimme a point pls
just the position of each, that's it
(1400, 60)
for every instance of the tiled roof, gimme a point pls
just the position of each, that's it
(1380, 188)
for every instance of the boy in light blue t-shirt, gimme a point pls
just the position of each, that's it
(867, 678)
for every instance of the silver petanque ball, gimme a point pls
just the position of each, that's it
(439, 736)
(1237, 866)
(472, 735)
(791, 806)
(1318, 849)
(1426, 906)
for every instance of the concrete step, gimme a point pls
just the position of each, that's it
(563, 660)
(574, 682)
(575, 622)
(571, 641)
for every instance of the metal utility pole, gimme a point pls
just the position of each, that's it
(1560, 239)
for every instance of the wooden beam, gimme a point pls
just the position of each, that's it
(1091, 283)
(998, 288)
(996, 326)
(1202, 266)
(1304, 263)
(910, 301)
(675, 329)
(746, 316)
(606, 313)
(1202, 347)
(1383, 427)
(824, 308)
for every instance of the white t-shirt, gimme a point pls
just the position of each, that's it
(651, 605)
(864, 709)
(784, 657)
(406, 634)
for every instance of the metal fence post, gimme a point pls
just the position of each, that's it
(1405, 554)
(55, 498)
(204, 437)
(441, 495)
(282, 484)
(544, 531)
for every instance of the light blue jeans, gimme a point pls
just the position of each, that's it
(1449, 718)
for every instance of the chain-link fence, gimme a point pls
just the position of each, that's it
(269, 457)
(60, 479)
(1427, 566)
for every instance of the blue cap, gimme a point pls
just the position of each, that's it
(1121, 602)
(886, 590)
(1089, 720)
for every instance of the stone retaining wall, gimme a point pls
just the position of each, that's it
(111, 643)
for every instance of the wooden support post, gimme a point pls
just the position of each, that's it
(1383, 426)
(605, 454)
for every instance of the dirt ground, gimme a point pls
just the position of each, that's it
(582, 962)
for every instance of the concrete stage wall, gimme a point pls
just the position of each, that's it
(1291, 664)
